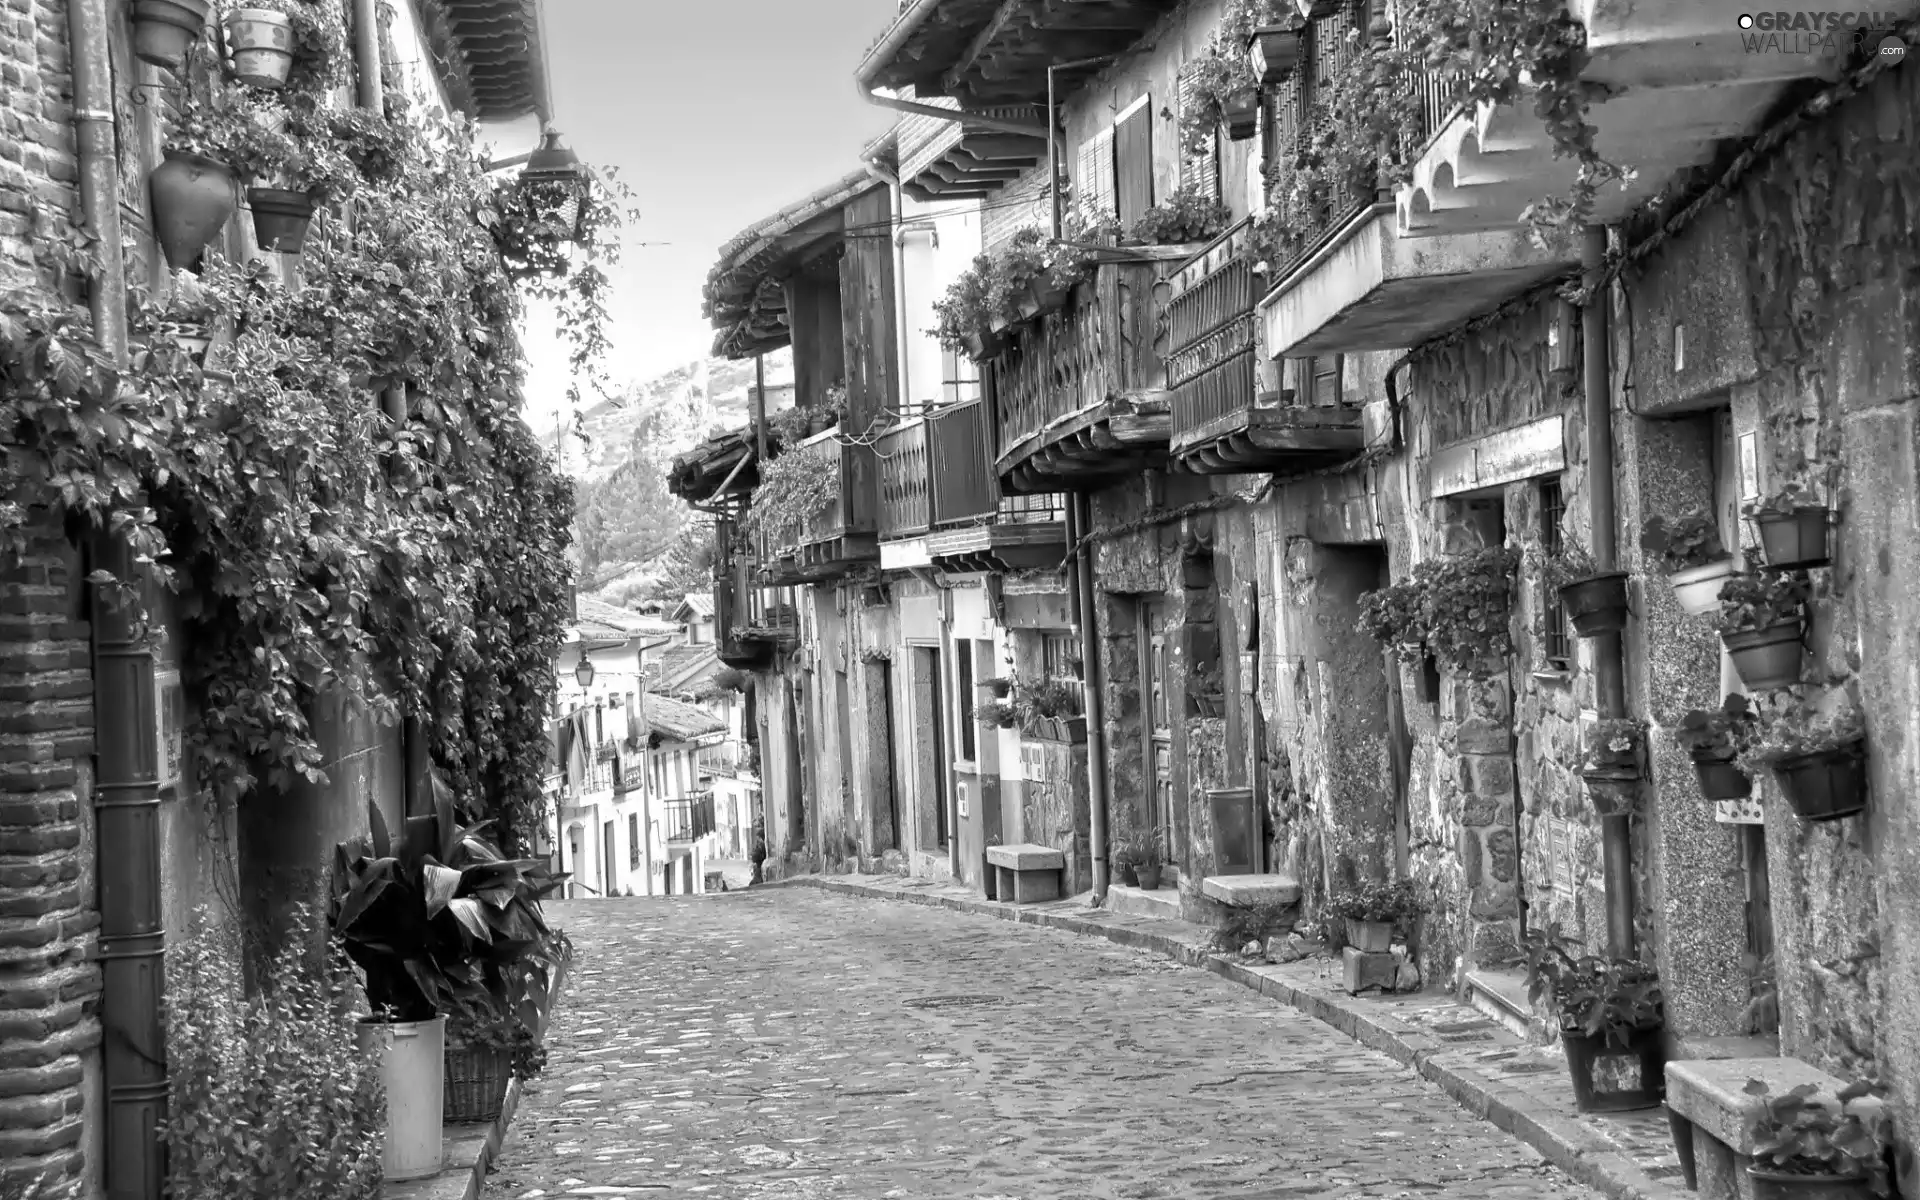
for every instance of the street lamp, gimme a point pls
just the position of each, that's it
(583, 670)
(558, 186)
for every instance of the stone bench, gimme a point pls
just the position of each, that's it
(1026, 874)
(1715, 1123)
(1245, 891)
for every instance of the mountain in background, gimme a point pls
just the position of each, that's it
(636, 542)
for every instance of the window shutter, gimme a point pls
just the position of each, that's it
(1133, 162)
(1093, 180)
(1198, 169)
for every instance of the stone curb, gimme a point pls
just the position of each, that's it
(1565, 1141)
(476, 1146)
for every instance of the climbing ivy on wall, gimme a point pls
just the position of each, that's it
(317, 550)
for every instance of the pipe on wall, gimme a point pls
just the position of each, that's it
(126, 791)
(902, 345)
(1086, 621)
(1609, 665)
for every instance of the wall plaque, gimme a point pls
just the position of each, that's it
(1505, 457)
(1739, 812)
(1560, 854)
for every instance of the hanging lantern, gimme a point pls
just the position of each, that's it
(583, 670)
(558, 186)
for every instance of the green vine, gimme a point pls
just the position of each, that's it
(794, 487)
(1223, 69)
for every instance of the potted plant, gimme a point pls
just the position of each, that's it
(1611, 1013)
(1697, 565)
(1760, 624)
(487, 1048)
(1019, 266)
(184, 323)
(291, 166)
(1612, 764)
(1240, 110)
(1206, 690)
(1807, 1148)
(1595, 601)
(164, 31)
(1817, 752)
(998, 687)
(1396, 616)
(1280, 48)
(963, 313)
(435, 922)
(1000, 714)
(830, 412)
(260, 39)
(1466, 607)
(1372, 910)
(1052, 706)
(1793, 529)
(1121, 860)
(1713, 738)
(790, 426)
(1148, 854)
(1189, 215)
(194, 190)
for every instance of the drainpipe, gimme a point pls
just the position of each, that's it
(901, 343)
(1083, 610)
(126, 792)
(1053, 136)
(1609, 665)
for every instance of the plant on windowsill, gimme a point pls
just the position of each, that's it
(1467, 605)
(1688, 548)
(1396, 617)
(1607, 1009)
(1713, 738)
(1816, 749)
(1000, 714)
(1187, 216)
(1372, 910)
(1809, 1148)
(1205, 690)
(1761, 617)
(1051, 708)
(1794, 528)
(1612, 765)
(1595, 601)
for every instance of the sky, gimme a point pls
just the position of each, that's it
(716, 113)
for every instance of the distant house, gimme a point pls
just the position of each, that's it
(695, 615)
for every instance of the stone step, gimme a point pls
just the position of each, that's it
(1245, 891)
(1162, 902)
(1502, 996)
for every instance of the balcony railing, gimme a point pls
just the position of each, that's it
(1211, 325)
(1058, 375)
(963, 488)
(904, 499)
(688, 820)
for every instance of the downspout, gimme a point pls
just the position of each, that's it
(1083, 612)
(1609, 667)
(370, 91)
(901, 343)
(126, 785)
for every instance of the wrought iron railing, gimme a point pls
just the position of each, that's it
(904, 483)
(688, 820)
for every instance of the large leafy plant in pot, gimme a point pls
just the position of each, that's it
(1760, 623)
(1611, 1014)
(1713, 737)
(1810, 1147)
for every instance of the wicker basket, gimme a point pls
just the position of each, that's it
(476, 1084)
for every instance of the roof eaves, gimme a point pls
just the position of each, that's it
(491, 55)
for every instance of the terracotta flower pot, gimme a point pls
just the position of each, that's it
(1613, 791)
(1824, 786)
(1241, 113)
(1698, 588)
(280, 218)
(1370, 937)
(1602, 1075)
(1149, 876)
(261, 42)
(1795, 539)
(165, 30)
(1720, 779)
(1778, 1185)
(1767, 658)
(192, 198)
(1597, 604)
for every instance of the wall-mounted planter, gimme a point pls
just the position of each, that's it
(1824, 786)
(1277, 52)
(1767, 658)
(192, 198)
(983, 343)
(1698, 588)
(1777, 1185)
(1720, 779)
(1599, 1086)
(1209, 704)
(261, 42)
(1315, 10)
(1047, 297)
(165, 30)
(281, 218)
(1241, 113)
(1795, 540)
(1612, 792)
(1596, 605)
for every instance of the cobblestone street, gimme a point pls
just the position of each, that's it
(793, 1043)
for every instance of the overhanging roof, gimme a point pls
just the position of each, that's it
(491, 55)
(697, 475)
(744, 301)
(996, 52)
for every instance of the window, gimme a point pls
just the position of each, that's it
(1093, 177)
(959, 378)
(1555, 645)
(633, 841)
(1199, 165)
(1317, 382)
(963, 686)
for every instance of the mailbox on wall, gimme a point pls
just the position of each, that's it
(1236, 831)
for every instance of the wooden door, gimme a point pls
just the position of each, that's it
(1157, 727)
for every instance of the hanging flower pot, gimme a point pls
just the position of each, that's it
(1612, 791)
(1698, 588)
(1276, 50)
(1720, 779)
(281, 217)
(1315, 10)
(1780, 1185)
(261, 42)
(1767, 658)
(1794, 539)
(1597, 604)
(1241, 113)
(1047, 297)
(983, 344)
(1826, 785)
(192, 197)
(164, 30)
(1613, 1078)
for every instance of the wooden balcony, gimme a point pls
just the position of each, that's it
(1221, 425)
(841, 535)
(940, 504)
(905, 501)
(1081, 393)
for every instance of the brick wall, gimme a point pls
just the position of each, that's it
(49, 1032)
(36, 134)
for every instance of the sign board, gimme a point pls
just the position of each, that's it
(1249, 675)
(169, 726)
(1750, 466)
(1505, 457)
(1560, 854)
